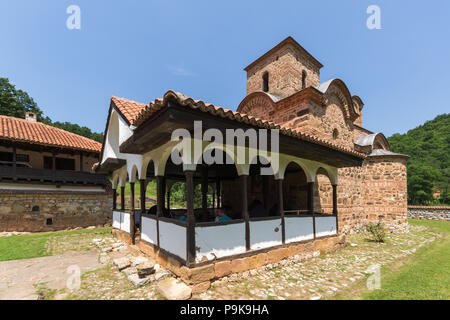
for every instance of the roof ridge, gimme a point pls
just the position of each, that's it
(49, 126)
(206, 107)
(20, 129)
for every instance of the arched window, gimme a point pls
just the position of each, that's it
(265, 78)
(335, 134)
(303, 79)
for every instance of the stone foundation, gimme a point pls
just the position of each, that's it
(200, 277)
(39, 211)
(429, 213)
(121, 235)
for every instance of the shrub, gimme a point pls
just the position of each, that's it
(377, 231)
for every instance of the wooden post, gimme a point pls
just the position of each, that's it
(132, 224)
(54, 165)
(159, 202)
(219, 197)
(168, 197)
(190, 221)
(281, 210)
(163, 195)
(142, 189)
(335, 210)
(81, 162)
(143, 186)
(245, 210)
(311, 205)
(53, 161)
(122, 197)
(265, 187)
(114, 199)
(204, 172)
(15, 163)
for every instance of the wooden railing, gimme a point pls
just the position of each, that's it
(56, 176)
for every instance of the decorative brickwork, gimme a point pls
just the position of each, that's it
(50, 211)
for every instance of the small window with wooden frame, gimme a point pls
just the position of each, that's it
(304, 79)
(265, 79)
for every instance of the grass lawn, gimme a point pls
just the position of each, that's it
(425, 275)
(44, 244)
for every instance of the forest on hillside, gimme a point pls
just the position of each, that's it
(428, 146)
(15, 102)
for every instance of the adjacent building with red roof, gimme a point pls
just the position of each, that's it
(46, 178)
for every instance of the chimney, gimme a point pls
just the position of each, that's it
(30, 116)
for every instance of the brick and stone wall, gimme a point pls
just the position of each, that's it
(377, 191)
(285, 68)
(34, 211)
(429, 213)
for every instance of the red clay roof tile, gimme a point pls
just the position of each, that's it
(21, 130)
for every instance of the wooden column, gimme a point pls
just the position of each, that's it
(190, 221)
(81, 162)
(54, 164)
(168, 197)
(132, 224)
(265, 187)
(114, 199)
(143, 187)
(159, 202)
(163, 196)
(204, 172)
(281, 210)
(122, 197)
(311, 205)
(53, 161)
(219, 197)
(142, 191)
(15, 163)
(335, 210)
(244, 201)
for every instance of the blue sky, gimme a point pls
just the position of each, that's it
(140, 49)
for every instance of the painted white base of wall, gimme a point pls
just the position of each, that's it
(325, 226)
(298, 229)
(219, 241)
(149, 232)
(172, 238)
(121, 221)
(265, 234)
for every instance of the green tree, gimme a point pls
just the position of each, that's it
(428, 166)
(15, 103)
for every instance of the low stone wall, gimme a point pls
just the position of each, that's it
(429, 213)
(38, 211)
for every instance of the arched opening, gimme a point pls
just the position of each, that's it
(323, 193)
(261, 201)
(211, 183)
(335, 134)
(295, 190)
(265, 79)
(304, 79)
(149, 192)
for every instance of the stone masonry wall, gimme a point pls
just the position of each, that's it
(429, 213)
(30, 211)
(377, 191)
